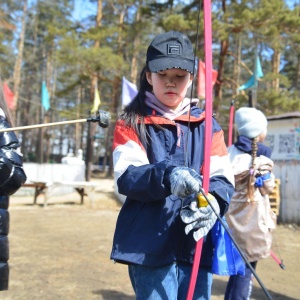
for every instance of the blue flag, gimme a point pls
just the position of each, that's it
(253, 79)
(259, 71)
(45, 97)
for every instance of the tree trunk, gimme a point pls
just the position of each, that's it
(18, 64)
(91, 126)
(51, 86)
(223, 52)
(237, 65)
(275, 69)
(218, 90)
(115, 104)
(116, 93)
(77, 125)
(136, 43)
(297, 77)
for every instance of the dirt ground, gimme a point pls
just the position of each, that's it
(62, 252)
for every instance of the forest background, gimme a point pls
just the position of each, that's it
(46, 41)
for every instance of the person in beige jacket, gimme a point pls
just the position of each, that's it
(249, 216)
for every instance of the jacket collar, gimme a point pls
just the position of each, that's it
(244, 144)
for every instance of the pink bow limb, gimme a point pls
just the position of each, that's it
(208, 130)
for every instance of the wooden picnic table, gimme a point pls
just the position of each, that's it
(84, 188)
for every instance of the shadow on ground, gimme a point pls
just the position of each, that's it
(218, 290)
(258, 293)
(113, 295)
(52, 204)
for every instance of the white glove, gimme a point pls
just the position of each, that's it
(184, 181)
(201, 219)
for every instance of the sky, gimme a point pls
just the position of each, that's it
(84, 7)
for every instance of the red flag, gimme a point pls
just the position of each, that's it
(9, 96)
(201, 79)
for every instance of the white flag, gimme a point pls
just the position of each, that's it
(129, 91)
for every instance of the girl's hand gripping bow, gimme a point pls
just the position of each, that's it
(199, 216)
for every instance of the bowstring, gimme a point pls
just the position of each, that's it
(186, 158)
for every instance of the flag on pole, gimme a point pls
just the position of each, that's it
(45, 97)
(8, 96)
(258, 73)
(201, 79)
(129, 91)
(97, 101)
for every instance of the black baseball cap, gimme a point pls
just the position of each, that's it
(170, 50)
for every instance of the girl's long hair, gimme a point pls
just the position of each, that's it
(251, 180)
(134, 113)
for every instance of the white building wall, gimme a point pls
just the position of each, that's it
(284, 140)
(288, 173)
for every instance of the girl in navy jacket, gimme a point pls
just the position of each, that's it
(158, 153)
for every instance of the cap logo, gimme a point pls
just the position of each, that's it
(174, 49)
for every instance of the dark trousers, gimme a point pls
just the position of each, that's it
(4, 272)
(239, 287)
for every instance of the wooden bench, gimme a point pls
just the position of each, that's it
(39, 188)
(84, 188)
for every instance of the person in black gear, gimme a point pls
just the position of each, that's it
(12, 177)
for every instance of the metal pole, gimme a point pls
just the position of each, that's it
(42, 125)
(103, 119)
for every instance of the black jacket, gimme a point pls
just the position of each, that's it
(12, 177)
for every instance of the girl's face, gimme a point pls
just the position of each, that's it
(170, 86)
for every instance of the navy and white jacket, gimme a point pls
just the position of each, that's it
(149, 230)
